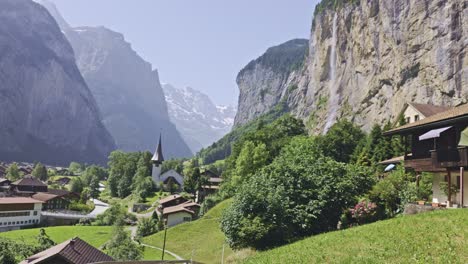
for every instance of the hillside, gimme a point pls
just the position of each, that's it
(201, 239)
(365, 60)
(436, 237)
(48, 112)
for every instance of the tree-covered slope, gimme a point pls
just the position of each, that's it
(436, 237)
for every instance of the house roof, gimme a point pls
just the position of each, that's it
(3, 180)
(60, 192)
(18, 200)
(29, 181)
(45, 197)
(176, 209)
(170, 198)
(428, 109)
(448, 117)
(158, 156)
(75, 251)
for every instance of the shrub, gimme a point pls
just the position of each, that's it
(364, 212)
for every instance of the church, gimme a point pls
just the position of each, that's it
(157, 161)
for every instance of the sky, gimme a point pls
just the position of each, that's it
(198, 43)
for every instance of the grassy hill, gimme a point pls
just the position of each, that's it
(436, 237)
(202, 237)
(94, 235)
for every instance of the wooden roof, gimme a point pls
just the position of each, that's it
(29, 181)
(170, 198)
(428, 109)
(18, 200)
(448, 117)
(75, 251)
(45, 197)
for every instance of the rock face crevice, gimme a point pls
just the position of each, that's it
(385, 53)
(48, 114)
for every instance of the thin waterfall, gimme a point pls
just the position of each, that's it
(333, 87)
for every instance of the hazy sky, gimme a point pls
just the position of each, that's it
(197, 43)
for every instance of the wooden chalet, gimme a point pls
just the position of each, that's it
(439, 144)
(28, 185)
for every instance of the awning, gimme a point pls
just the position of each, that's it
(464, 138)
(435, 133)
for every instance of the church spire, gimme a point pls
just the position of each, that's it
(158, 156)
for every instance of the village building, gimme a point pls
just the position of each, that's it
(63, 181)
(73, 251)
(413, 112)
(439, 144)
(181, 213)
(51, 201)
(27, 186)
(4, 184)
(212, 186)
(167, 177)
(171, 200)
(18, 212)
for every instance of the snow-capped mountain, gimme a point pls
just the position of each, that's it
(198, 119)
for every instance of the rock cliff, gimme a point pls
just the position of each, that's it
(367, 58)
(198, 119)
(47, 112)
(126, 87)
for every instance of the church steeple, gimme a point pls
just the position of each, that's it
(158, 155)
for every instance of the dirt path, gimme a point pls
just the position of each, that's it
(133, 230)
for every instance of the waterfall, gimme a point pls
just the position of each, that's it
(333, 86)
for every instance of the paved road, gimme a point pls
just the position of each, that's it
(99, 208)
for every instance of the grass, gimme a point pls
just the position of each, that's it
(154, 254)
(436, 237)
(202, 238)
(94, 235)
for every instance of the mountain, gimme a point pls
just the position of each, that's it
(126, 87)
(48, 114)
(199, 120)
(364, 61)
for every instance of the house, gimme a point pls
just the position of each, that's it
(413, 112)
(67, 195)
(171, 200)
(26, 170)
(73, 251)
(439, 144)
(63, 181)
(181, 213)
(51, 201)
(212, 186)
(17, 212)
(28, 185)
(4, 184)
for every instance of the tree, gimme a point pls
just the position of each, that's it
(302, 192)
(13, 173)
(40, 172)
(146, 227)
(85, 194)
(341, 140)
(251, 159)
(44, 240)
(75, 168)
(121, 247)
(76, 185)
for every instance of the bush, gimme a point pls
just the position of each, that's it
(301, 193)
(80, 207)
(364, 212)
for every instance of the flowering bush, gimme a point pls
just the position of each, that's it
(364, 212)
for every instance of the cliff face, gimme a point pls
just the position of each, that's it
(367, 59)
(198, 119)
(264, 81)
(127, 89)
(47, 111)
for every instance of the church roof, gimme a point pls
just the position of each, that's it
(158, 156)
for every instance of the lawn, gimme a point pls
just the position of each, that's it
(201, 239)
(94, 235)
(436, 237)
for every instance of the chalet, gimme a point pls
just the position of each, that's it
(51, 201)
(413, 112)
(67, 195)
(63, 181)
(181, 213)
(26, 170)
(74, 251)
(28, 185)
(212, 186)
(171, 200)
(439, 144)
(17, 212)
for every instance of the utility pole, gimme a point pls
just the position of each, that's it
(164, 244)
(222, 255)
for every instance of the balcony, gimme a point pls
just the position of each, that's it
(439, 160)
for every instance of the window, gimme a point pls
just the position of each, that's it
(416, 118)
(187, 219)
(35, 212)
(407, 120)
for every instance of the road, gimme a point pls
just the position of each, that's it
(133, 230)
(99, 208)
